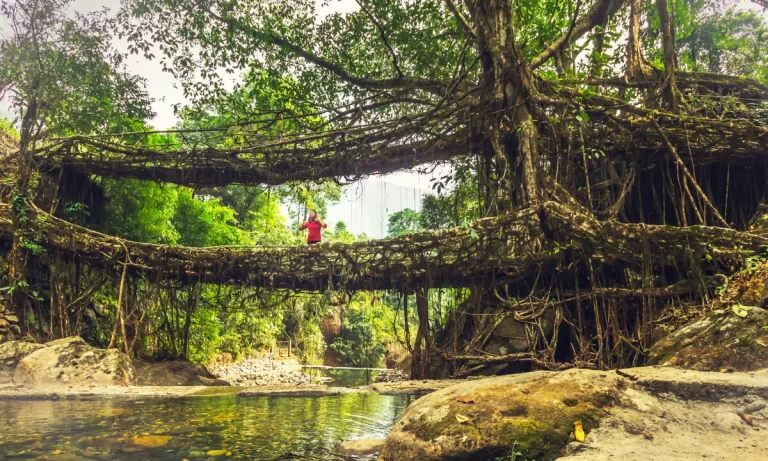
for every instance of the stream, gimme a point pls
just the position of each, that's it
(195, 428)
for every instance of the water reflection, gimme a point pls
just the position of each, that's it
(344, 377)
(194, 428)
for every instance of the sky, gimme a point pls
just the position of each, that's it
(365, 205)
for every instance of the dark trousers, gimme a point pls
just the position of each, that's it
(313, 242)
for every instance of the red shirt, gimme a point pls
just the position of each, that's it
(314, 230)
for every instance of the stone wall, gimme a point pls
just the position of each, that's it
(9, 328)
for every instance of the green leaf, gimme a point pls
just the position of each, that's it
(741, 310)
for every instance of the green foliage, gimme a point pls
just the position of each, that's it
(437, 212)
(713, 37)
(7, 129)
(141, 211)
(730, 42)
(359, 345)
(341, 234)
(405, 221)
(60, 69)
(201, 222)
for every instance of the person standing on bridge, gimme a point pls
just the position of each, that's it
(314, 225)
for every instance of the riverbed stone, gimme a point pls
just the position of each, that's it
(531, 413)
(731, 339)
(72, 361)
(362, 447)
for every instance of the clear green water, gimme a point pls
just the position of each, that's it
(199, 428)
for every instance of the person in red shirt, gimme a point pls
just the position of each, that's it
(314, 225)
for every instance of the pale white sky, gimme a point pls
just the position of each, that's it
(365, 206)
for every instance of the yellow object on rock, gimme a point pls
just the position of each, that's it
(578, 431)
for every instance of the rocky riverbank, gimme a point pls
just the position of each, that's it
(261, 371)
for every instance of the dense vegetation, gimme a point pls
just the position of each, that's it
(383, 66)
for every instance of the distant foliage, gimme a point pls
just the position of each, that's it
(404, 221)
(359, 345)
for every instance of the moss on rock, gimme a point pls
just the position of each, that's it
(531, 413)
(720, 340)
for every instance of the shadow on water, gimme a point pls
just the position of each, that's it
(199, 428)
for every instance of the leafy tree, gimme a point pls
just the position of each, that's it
(436, 212)
(405, 221)
(60, 72)
(60, 75)
(205, 222)
(730, 42)
(359, 345)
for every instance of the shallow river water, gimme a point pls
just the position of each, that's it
(196, 428)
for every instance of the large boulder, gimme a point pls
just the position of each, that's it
(73, 362)
(532, 414)
(513, 336)
(174, 373)
(733, 339)
(11, 353)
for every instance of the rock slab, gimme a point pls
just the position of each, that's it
(289, 391)
(362, 447)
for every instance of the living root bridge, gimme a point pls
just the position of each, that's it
(212, 167)
(501, 249)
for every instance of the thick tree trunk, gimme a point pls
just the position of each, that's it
(18, 264)
(634, 52)
(508, 123)
(669, 86)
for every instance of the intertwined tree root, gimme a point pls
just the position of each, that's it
(500, 249)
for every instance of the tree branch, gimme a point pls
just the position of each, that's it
(460, 17)
(433, 86)
(378, 25)
(601, 10)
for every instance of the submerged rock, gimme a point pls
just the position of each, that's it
(362, 447)
(289, 391)
(734, 339)
(414, 387)
(72, 361)
(530, 413)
